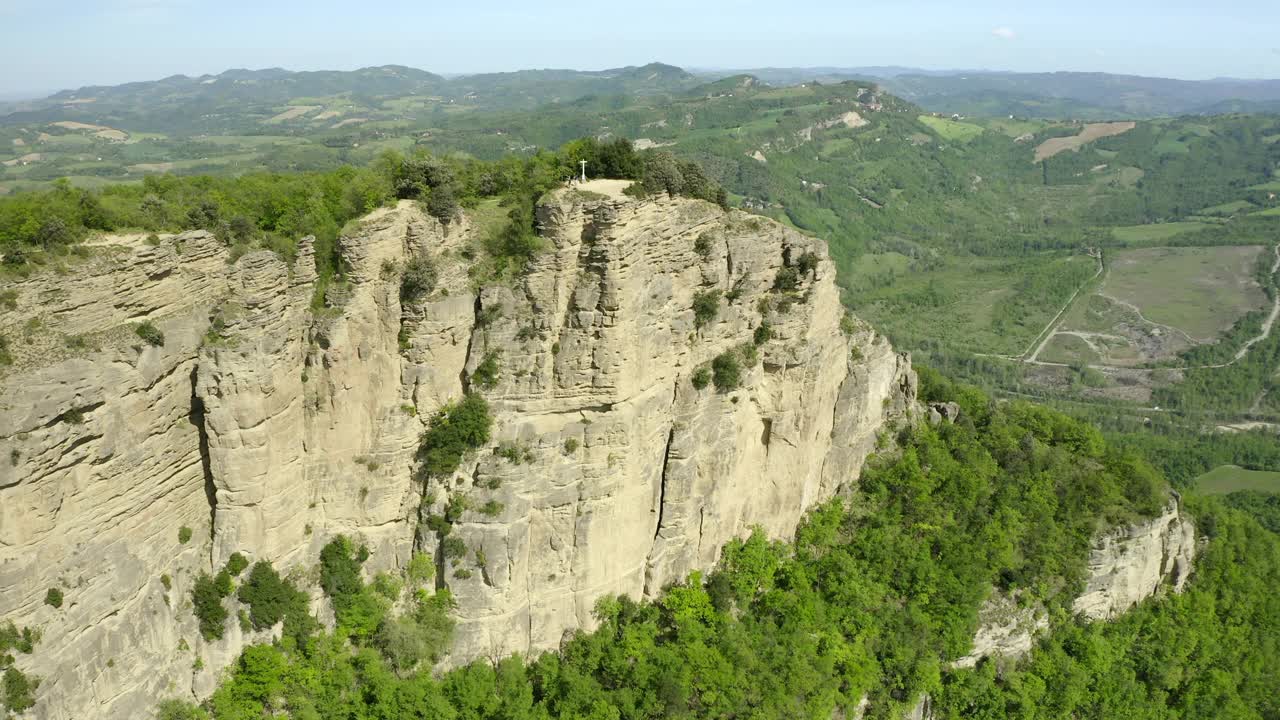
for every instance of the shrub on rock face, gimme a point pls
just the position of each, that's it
(423, 635)
(421, 570)
(726, 372)
(222, 581)
(270, 598)
(184, 534)
(53, 598)
(453, 431)
(236, 564)
(206, 602)
(454, 548)
(807, 263)
(179, 710)
(418, 279)
(787, 280)
(763, 333)
(706, 305)
(701, 378)
(19, 690)
(486, 373)
(150, 333)
(703, 245)
(358, 610)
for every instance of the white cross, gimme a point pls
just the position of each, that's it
(583, 163)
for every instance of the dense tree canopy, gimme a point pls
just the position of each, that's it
(275, 210)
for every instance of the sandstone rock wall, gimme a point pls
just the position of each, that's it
(267, 426)
(631, 477)
(1126, 566)
(1129, 564)
(1006, 630)
(101, 468)
(306, 412)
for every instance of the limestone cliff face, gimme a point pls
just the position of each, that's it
(305, 412)
(267, 427)
(1129, 564)
(630, 477)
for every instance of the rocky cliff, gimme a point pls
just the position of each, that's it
(1129, 564)
(267, 426)
(631, 476)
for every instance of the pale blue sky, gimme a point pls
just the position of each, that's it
(49, 45)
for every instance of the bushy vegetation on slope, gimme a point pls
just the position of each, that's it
(275, 210)
(873, 598)
(1212, 652)
(17, 689)
(455, 430)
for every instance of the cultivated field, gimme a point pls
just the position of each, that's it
(1154, 232)
(101, 131)
(1229, 478)
(959, 302)
(1157, 302)
(952, 129)
(1198, 290)
(293, 113)
(1229, 208)
(1091, 132)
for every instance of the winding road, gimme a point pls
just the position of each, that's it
(1267, 325)
(1052, 328)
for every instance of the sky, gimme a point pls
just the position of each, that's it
(48, 46)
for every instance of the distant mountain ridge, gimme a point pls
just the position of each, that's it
(282, 85)
(243, 99)
(1084, 95)
(268, 83)
(240, 98)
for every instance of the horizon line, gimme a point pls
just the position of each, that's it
(41, 94)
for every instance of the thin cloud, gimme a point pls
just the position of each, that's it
(150, 9)
(1004, 33)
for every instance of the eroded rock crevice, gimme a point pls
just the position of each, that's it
(197, 420)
